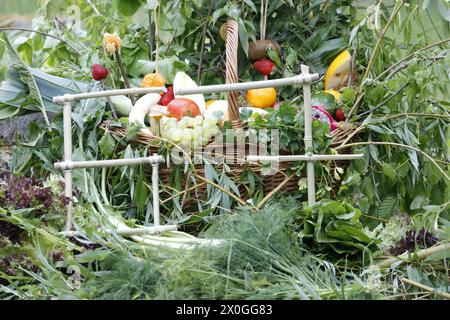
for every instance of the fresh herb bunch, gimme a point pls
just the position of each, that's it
(289, 119)
(414, 239)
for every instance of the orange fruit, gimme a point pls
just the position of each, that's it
(153, 80)
(262, 98)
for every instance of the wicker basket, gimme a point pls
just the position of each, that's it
(280, 181)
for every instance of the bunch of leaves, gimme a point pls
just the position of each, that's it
(28, 89)
(288, 119)
(392, 231)
(55, 265)
(26, 193)
(333, 225)
(401, 111)
(413, 240)
(12, 260)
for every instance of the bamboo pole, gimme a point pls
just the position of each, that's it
(311, 180)
(67, 132)
(421, 254)
(306, 157)
(155, 189)
(69, 165)
(106, 93)
(426, 288)
(299, 79)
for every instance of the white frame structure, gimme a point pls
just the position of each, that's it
(305, 79)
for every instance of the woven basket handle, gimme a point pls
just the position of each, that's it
(231, 47)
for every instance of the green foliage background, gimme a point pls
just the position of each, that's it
(399, 104)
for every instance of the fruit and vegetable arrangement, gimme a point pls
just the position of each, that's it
(180, 118)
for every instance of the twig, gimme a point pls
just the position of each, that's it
(242, 202)
(385, 101)
(410, 56)
(150, 34)
(124, 74)
(265, 18)
(155, 16)
(378, 43)
(182, 192)
(434, 26)
(356, 104)
(386, 118)
(271, 193)
(396, 145)
(202, 48)
(427, 115)
(42, 33)
(352, 65)
(426, 288)
(93, 7)
(195, 174)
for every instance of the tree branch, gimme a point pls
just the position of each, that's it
(372, 57)
(385, 101)
(410, 56)
(396, 145)
(42, 33)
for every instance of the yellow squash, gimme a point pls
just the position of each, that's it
(337, 73)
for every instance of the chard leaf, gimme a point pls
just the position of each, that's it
(34, 98)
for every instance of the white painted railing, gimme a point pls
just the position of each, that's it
(305, 79)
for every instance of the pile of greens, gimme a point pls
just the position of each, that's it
(261, 258)
(335, 225)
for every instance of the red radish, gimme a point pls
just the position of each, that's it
(181, 107)
(167, 96)
(339, 115)
(99, 72)
(264, 66)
